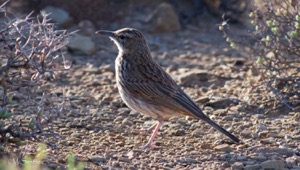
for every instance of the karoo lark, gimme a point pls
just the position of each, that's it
(146, 88)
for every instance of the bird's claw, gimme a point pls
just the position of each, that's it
(149, 146)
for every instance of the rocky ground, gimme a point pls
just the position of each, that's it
(98, 128)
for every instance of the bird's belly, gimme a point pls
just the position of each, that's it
(138, 105)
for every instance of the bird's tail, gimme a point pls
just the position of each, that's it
(219, 128)
(187, 103)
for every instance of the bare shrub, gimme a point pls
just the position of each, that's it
(274, 46)
(30, 54)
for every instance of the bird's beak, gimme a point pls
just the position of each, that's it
(105, 32)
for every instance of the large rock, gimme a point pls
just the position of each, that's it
(292, 161)
(97, 159)
(273, 164)
(163, 19)
(235, 10)
(87, 27)
(192, 77)
(253, 167)
(58, 16)
(81, 44)
(222, 103)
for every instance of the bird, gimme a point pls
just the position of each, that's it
(146, 88)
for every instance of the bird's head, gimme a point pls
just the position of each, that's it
(127, 39)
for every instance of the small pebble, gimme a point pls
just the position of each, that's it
(223, 148)
(237, 166)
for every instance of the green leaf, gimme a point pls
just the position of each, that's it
(269, 23)
(70, 162)
(274, 30)
(294, 34)
(268, 38)
(31, 124)
(41, 152)
(71, 165)
(259, 60)
(27, 163)
(233, 45)
(297, 25)
(251, 15)
(4, 114)
(256, 28)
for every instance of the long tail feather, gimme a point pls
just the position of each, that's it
(219, 128)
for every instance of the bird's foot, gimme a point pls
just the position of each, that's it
(149, 146)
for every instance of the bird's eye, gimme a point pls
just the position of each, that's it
(122, 37)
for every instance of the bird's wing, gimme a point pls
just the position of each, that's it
(182, 100)
(155, 86)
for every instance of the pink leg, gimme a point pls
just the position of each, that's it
(149, 144)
